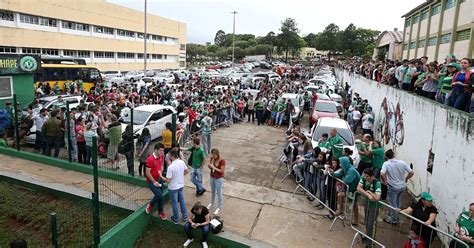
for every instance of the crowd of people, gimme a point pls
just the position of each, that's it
(448, 82)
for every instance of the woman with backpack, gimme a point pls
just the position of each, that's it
(143, 150)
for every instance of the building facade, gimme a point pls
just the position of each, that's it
(389, 44)
(437, 28)
(106, 35)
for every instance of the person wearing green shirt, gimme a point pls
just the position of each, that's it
(378, 155)
(371, 188)
(464, 229)
(335, 144)
(3, 139)
(323, 142)
(445, 86)
(196, 161)
(281, 111)
(260, 108)
(365, 154)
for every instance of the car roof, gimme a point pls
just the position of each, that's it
(325, 101)
(332, 122)
(152, 108)
(52, 98)
(289, 95)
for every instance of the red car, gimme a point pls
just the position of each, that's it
(323, 108)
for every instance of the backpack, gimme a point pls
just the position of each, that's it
(383, 187)
(217, 224)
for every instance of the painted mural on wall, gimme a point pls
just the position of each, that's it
(389, 125)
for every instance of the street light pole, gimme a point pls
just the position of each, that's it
(233, 38)
(145, 39)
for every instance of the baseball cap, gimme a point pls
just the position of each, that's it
(452, 64)
(426, 196)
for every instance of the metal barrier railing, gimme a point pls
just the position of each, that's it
(417, 230)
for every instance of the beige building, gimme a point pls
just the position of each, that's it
(389, 42)
(106, 35)
(437, 28)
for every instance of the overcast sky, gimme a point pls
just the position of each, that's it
(205, 18)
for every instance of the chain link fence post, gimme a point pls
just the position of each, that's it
(173, 128)
(17, 128)
(68, 133)
(95, 195)
(54, 231)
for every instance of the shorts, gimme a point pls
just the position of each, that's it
(112, 151)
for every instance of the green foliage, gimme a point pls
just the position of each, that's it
(288, 41)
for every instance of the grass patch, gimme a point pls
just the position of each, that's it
(157, 235)
(25, 213)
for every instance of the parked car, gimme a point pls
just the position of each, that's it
(154, 117)
(326, 124)
(133, 75)
(298, 103)
(112, 74)
(159, 77)
(48, 103)
(323, 108)
(265, 65)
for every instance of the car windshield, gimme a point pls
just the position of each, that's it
(323, 97)
(346, 134)
(162, 74)
(139, 117)
(325, 107)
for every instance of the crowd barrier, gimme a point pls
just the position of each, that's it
(345, 207)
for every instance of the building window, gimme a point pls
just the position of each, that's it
(182, 46)
(6, 15)
(424, 15)
(435, 10)
(445, 38)
(7, 49)
(412, 45)
(449, 4)
(416, 18)
(407, 23)
(71, 53)
(50, 51)
(83, 54)
(47, 22)
(421, 43)
(104, 30)
(182, 64)
(125, 55)
(76, 26)
(157, 37)
(166, 57)
(157, 56)
(463, 35)
(31, 50)
(29, 19)
(125, 33)
(432, 41)
(140, 35)
(405, 46)
(6, 87)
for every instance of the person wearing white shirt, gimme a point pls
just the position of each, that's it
(368, 122)
(175, 179)
(356, 115)
(39, 120)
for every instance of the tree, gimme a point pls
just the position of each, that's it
(263, 49)
(310, 39)
(327, 40)
(212, 48)
(193, 51)
(288, 40)
(219, 38)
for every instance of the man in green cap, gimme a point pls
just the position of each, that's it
(206, 128)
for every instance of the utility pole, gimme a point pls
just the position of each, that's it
(233, 39)
(145, 39)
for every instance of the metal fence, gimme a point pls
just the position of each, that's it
(333, 194)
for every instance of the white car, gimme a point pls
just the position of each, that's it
(112, 74)
(298, 103)
(134, 75)
(153, 117)
(326, 124)
(168, 77)
(47, 103)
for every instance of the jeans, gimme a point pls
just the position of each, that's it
(206, 142)
(81, 152)
(188, 229)
(216, 185)
(297, 168)
(74, 147)
(320, 180)
(196, 179)
(251, 114)
(458, 99)
(130, 163)
(394, 199)
(40, 142)
(53, 141)
(260, 116)
(175, 197)
(157, 196)
(88, 154)
(279, 118)
(370, 218)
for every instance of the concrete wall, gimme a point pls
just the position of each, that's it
(426, 126)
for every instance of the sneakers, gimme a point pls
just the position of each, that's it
(185, 219)
(163, 216)
(149, 208)
(173, 220)
(200, 193)
(204, 244)
(209, 206)
(188, 242)
(389, 221)
(218, 210)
